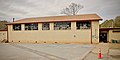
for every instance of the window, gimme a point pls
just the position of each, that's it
(83, 25)
(45, 26)
(62, 25)
(17, 27)
(30, 26)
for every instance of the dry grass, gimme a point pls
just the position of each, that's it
(114, 45)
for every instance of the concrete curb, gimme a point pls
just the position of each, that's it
(83, 57)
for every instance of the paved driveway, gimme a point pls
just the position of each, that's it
(44, 51)
(8, 52)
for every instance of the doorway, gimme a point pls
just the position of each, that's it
(103, 37)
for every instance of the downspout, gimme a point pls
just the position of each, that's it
(7, 35)
(91, 31)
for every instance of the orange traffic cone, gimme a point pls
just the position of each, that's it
(99, 54)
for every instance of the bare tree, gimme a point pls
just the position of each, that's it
(72, 9)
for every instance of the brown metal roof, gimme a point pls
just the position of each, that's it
(107, 29)
(83, 17)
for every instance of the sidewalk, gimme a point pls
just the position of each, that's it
(93, 55)
(107, 54)
(103, 46)
(114, 53)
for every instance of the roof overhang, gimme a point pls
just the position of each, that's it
(71, 18)
(107, 29)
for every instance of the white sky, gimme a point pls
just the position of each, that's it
(106, 9)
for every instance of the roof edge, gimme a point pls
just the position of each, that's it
(110, 28)
(53, 21)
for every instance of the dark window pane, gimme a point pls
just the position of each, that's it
(45, 26)
(62, 25)
(33, 26)
(17, 27)
(83, 25)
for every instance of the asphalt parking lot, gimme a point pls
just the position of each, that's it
(44, 51)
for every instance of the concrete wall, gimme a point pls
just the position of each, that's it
(110, 35)
(95, 31)
(114, 35)
(58, 36)
(3, 36)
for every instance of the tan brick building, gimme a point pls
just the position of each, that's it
(56, 29)
(109, 34)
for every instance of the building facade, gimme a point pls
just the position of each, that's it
(109, 34)
(55, 29)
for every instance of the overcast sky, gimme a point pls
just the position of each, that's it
(18, 9)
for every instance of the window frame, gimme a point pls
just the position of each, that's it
(62, 26)
(19, 29)
(82, 25)
(47, 24)
(30, 26)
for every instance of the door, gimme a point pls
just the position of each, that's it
(103, 37)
